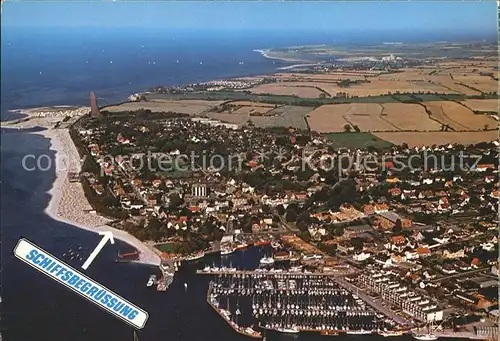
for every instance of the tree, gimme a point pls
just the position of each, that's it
(486, 126)
(397, 228)
(304, 216)
(356, 129)
(302, 226)
(305, 236)
(347, 128)
(357, 243)
(280, 209)
(291, 215)
(338, 231)
(175, 200)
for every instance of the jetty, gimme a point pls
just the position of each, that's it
(167, 269)
(266, 272)
(226, 315)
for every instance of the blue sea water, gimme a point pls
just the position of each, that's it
(44, 67)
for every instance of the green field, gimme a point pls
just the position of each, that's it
(227, 95)
(168, 247)
(357, 140)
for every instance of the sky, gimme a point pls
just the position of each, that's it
(440, 15)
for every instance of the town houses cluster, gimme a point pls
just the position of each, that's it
(423, 223)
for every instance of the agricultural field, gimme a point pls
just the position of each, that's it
(190, 107)
(408, 117)
(357, 140)
(299, 90)
(251, 104)
(437, 137)
(325, 77)
(284, 116)
(485, 105)
(328, 118)
(367, 116)
(447, 82)
(249, 108)
(457, 116)
(374, 88)
(482, 83)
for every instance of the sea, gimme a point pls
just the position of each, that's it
(46, 67)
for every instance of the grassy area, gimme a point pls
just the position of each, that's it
(168, 247)
(357, 140)
(227, 95)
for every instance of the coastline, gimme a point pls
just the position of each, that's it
(266, 53)
(68, 203)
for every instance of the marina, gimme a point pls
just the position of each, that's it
(291, 302)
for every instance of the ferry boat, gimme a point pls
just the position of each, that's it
(196, 256)
(151, 281)
(390, 333)
(267, 261)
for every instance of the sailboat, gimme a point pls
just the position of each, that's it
(425, 336)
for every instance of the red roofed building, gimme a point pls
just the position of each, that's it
(394, 191)
(423, 251)
(398, 240)
(368, 209)
(475, 262)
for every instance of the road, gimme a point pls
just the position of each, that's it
(460, 274)
(369, 300)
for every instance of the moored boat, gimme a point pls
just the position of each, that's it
(151, 280)
(425, 337)
(390, 333)
(226, 250)
(196, 256)
(241, 246)
(249, 331)
(359, 332)
(267, 261)
(292, 330)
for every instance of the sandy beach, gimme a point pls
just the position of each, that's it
(68, 202)
(277, 56)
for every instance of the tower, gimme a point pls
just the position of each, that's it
(94, 110)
